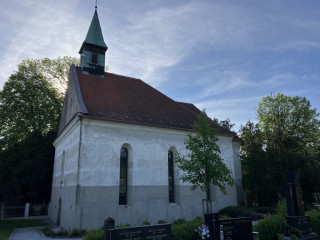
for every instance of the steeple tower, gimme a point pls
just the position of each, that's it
(93, 49)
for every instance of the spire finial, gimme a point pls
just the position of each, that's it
(96, 4)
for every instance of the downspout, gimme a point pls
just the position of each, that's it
(78, 172)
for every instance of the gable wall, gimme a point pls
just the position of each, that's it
(71, 105)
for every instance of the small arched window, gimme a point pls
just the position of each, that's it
(123, 188)
(170, 177)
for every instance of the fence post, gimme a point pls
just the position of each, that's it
(108, 226)
(26, 210)
(1, 211)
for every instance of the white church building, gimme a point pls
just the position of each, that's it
(114, 153)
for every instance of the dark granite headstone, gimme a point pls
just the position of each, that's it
(150, 232)
(208, 221)
(294, 196)
(300, 222)
(233, 229)
(296, 218)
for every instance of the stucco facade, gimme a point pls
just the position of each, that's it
(86, 175)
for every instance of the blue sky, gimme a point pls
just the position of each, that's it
(224, 56)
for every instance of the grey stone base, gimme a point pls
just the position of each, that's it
(87, 207)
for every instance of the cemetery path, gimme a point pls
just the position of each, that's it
(32, 233)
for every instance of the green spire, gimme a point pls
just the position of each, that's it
(93, 49)
(94, 35)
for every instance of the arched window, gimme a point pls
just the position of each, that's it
(123, 188)
(170, 177)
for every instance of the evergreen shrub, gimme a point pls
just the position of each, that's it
(96, 234)
(186, 230)
(179, 221)
(235, 211)
(315, 221)
(270, 227)
(145, 223)
(123, 225)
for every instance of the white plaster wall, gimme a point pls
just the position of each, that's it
(64, 187)
(99, 168)
(67, 143)
(148, 154)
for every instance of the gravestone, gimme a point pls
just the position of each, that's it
(150, 232)
(208, 221)
(233, 229)
(296, 218)
(293, 191)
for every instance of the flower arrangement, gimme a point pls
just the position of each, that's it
(203, 232)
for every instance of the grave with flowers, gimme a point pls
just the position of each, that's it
(226, 229)
(203, 232)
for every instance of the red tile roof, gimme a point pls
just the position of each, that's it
(125, 99)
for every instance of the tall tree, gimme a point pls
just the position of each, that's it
(288, 133)
(28, 102)
(26, 169)
(203, 165)
(55, 70)
(30, 106)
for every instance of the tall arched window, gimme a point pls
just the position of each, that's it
(123, 188)
(171, 177)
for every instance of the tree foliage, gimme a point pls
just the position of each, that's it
(224, 123)
(30, 107)
(286, 138)
(56, 70)
(203, 165)
(26, 169)
(29, 102)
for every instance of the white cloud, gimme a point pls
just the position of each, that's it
(239, 110)
(278, 79)
(44, 31)
(299, 45)
(228, 81)
(163, 37)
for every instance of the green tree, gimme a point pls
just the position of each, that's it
(286, 138)
(56, 70)
(30, 106)
(203, 165)
(224, 123)
(257, 170)
(26, 169)
(28, 102)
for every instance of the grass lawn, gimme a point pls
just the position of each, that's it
(7, 226)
